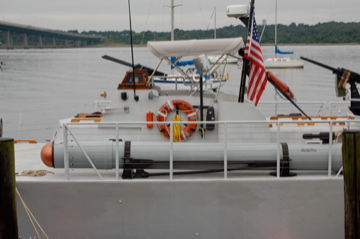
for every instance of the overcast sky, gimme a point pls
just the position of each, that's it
(154, 15)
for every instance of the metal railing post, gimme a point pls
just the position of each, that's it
(117, 152)
(171, 163)
(86, 155)
(278, 150)
(66, 155)
(330, 148)
(225, 152)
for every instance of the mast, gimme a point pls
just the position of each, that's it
(214, 23)
(132, 53)
(276, 55)
(172, 18)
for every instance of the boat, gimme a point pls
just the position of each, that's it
(185, 75)
(104, 177)
(282, 61)
(180, 164)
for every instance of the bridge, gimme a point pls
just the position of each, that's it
(16, 35)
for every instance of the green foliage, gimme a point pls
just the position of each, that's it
(330, 32)
(321, 33)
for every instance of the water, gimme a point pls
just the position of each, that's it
(40, 86)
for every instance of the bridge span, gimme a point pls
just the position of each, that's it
(16, 35)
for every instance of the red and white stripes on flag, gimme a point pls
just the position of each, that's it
(257, 72)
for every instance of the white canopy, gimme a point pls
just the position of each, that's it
(163, 49)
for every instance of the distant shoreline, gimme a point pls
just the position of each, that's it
(144, 45)
(265, 44)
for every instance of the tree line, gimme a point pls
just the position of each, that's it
(321, 33)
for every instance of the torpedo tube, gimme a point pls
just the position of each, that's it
(190, 155)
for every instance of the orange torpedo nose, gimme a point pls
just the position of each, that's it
(47, 155)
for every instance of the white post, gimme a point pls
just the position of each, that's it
(278, 150)
(117, 151)
(66, 156)
(172, 20)
(225, 152)
(171, 163)
(330, 147)
(275, 26)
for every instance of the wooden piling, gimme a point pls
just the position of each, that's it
(351, 171)
(8, 213)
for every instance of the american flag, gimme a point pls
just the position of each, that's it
(257, 72)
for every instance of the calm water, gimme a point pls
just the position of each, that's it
(38, 87)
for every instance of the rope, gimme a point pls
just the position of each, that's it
(31, 216)
(177, 128)
(202, 129)
(338, 134)
(34, 173)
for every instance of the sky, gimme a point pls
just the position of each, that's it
(154, 15)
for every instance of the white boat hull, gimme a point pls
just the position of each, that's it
(223, 60)
(181, 84)
(214, 208)
(284, 62)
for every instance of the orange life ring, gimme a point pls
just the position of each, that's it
(177, 105)
(280, 85)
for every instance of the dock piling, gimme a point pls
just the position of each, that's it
(8, 213)
(351, 171)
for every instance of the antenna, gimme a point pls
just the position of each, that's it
(264, 26)
(132, 54)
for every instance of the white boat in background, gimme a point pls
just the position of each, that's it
(184, 74)
(282, 61)
(222, 59)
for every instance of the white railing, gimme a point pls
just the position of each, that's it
(100, 105)
(309, 107)
(228, 133)
(279, 107)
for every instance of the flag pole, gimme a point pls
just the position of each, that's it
(245, 66)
